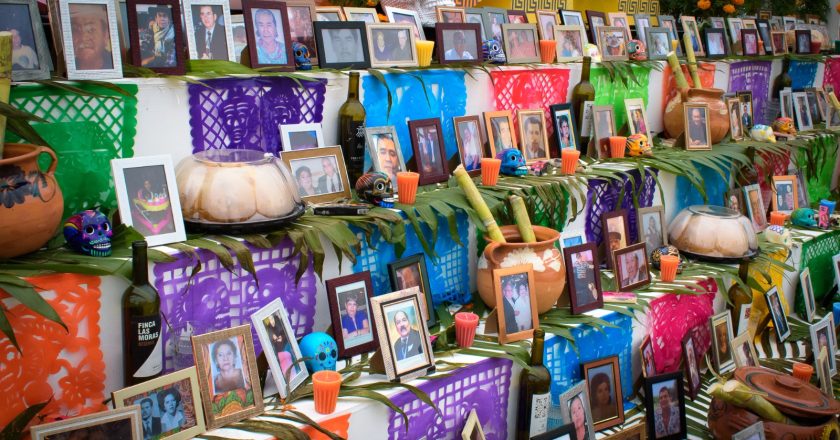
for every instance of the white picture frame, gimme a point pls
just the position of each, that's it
(190, 26)
(472, 428)
(721, 348)
(778, 315)
(752, 432)
(130, 413)
(66, 10)
(287, 132)
(801, 109)
(807, 293)
(823, 373)
(393, 17)
(132, 212)
(370, 28)
(825, 324)
(260, 320)
(835, 260)
(577, 391)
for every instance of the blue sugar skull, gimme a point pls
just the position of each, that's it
(320, 351)
(804, 217)
(513, 164)
(492, 51)
(301, 53)
(89, 232)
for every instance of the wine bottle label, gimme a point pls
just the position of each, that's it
(146, 345)
(353, 146)
(540, 404)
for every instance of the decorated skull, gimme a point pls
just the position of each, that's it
(636, 50)
(784, 125)
(656, 256)
(89, 232)
(375, 188)
(513, 164)
(779, 235)
(762, 133)
(638, 145)
(320, 350)
(301, 53)
(804, 217)
(492, 51)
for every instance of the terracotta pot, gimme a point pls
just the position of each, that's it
(31, 203)
(718, 113)
(549, 272)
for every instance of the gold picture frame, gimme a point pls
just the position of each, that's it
(296, 161)
(785, 187)
(405, 356)
(526, 119)
(690, 110)
(492, 123)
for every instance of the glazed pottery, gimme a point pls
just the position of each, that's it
(674, 119)
(31, 203)
(544, 255)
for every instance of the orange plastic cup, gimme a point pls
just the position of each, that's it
(668, 267)
(465, 325)
(617, 146)
(407, 186)
(802, 371)
(490, 171)
(569, 158)
(325, 386)
(548, 48)
(778, 218)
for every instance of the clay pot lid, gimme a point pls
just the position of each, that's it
(789, 394)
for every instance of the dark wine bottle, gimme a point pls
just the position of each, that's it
(142, 345)
(534, 393)
(351, 131)
(582, 92)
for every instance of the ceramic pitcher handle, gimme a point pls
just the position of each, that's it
(490, 251)
(54, 163)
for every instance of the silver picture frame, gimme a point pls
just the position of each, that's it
(66, 32)
(39, 40)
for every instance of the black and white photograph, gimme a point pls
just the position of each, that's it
(603, 376)
(349, 300)
(429, 150)
(122, 423)
(342, 44)
(408, 272)
(521, 43)
(458, 42)
(822, 337)
(665, 406)
(651, 227)
(208, 30)
(565, 130)
(156, 37)
(280, 346)
(301, 136)
(319, 172)
(584, 277)
(470, 142)
(30, 53)
(574, 408)
(721, 331)
(91, 39)
(402, 336)
(658, 43)
(570, 41)
(698, 133)
(533, 134)
(780, 322)
(391, 45)
(631, 267)
(384, 148)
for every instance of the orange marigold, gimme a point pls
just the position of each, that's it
(704, 4)
(738, 2)
(729, 9)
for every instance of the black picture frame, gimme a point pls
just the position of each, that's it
(577, 306)
(434, 176)
(608, 253)
(134, 35)
(440, 46)
(357, 26)
(558, 110)
(780, 322)
(744, 34)
(765, 33)
(725, 46)
(651, 400)
(802, 35)
(419, 260)
(558, 432)
(590, 14)
(345, 352)
(688, 341)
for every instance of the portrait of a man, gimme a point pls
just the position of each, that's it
(91, 37)
(345, 46)
(583, 268)
(697, 128)
(156, 32)
(534, 138)
(151, 423)
(470, 145)
(408, 343)
(210, 37)
(330, 181)
(388, 161)
(502, 137)
(458, 46)
(722, 348)
(666, 415)
(429, 160)
(516, 303)
(409, 276)
(632, 268)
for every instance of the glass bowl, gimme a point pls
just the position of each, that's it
(236, 191)
(713, 233)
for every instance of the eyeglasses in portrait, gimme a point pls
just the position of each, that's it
(631, 267)
(569, 42)
(269, 42)
(349, 299)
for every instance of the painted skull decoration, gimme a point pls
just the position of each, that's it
(320, 350)
(638, 145)
(784, 125)
(492, 51)
(804, 217)
(89, 232)
(301, 52)
(513, 164)
(636, 50)
(376, 188)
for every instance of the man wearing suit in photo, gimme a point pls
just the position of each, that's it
(151, 424)
(409, 343)
(330, 182)
(210, 39)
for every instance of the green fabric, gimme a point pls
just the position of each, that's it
(614, 89)
(817, 254)
(818, 161)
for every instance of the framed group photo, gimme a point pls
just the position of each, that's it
(320, 173)
(603, 376)
(349, 300)
(280, 346)
(391, 45)
(408, 272)
(31, 55)
(570, 41)
(208, 28)
(521, 43)
(785, 194)
(90, 36)
(516, 302)
(403, 338)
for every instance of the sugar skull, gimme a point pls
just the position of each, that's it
(492, 51)
(762, 133)
(301, 52)
(778, 234)
(89, 232)
(513, 164)
(636, 50)
(784, 125)
(638, 145)
(804, 217)
(320, 351)
(375, 188)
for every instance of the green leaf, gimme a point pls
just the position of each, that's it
(15, 429)
(220, 251)
(15, 113)
(6, 328)
(26, 132)
(373, 395)
(243, 254)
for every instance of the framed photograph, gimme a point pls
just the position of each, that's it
(570, 40)
(472, 428)
(302, 14)
(803, 41)
(476, 16)
(689, 25)
(823, 372)
(665, 406)
(736, 126)
(429, 151)
(447, 14)
(166, 55)
(749, 23)
(349, 300)
(642, 24)
(207, 25)
(406, 16)
(563, 432)
(329, 13)
(280, 347)
(521, 43)
(564, 126)
(776, 24)
(147, 196)
(648, 363)
(367, 15)
(716, 43)
(752, 432)
(658, 43)
(573, 408)
(735, 26)
(735, 200)
(746, 109)
(651, 227)
(835, 260)
(789, 22)
(616, 232)
(690, 365)
(515, 291)
(391, 45)
(571, 17)
(780, 322)
(97, 56)
(764, 34)
(668, 22)
(814, 105)
(533, 134)
(320, 173)
(227, 374)
(612, 43)
(342, 44)
(170, 405)
(637, 120)
(384, 148)
(547, 20)
(586, 125)
(698, 135)
(517, 16)
(631, 266)
(122, 423)
(755, 206)
(619, 19)
(301, 136)
(596, 19)
(821, 99)
(786, 98)
(409, 272)
(603, 377)
(604, 126)
(802, 190)
(717, 23)
(469, 139)
(785, 196)
(458, 43)
(822, 337)
(803, 112)
(584, 278)
(240, 35)
(743, 350)
(635, 432)
(721, 330)
(31, 55)
(569, 238)
(749, 42)
(403, 339)
(493, 19)
(500, 135)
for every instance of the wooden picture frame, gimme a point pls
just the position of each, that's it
(104, 65)
(716, 44)
(803, 39)
(642, 23)
(492, 20)
(735, 25)
(197, 50)
(595, 374)
(612, 43)
(657, 40)
(546, 21)
(736, 124)
(447, 52)
(526, 120)
(616, 233)
(720, 326)
(623, 271)
(398, 273)
(774, 305)
(648, 235)
(510, 279)
(583, 255)
(635, 432)
(620, 19)
(302, 15)
(670, 23)
(743, 350)
(446, 14)
(755, 206)
(566, 33)
(242, 349)
(496, 131)
(358, 288)
(472, 428)
(280, 347)
(320, 192)
(672, 384)
(824, 329)
(334, 44)
(563, 120)
(785, 194)
(431, 133)
(34, 49)
(698, 143)
(595, 19)
(367, 15)
(405, 356)
(573, 404)
(157, 391)
(570, 17)
(327, 13)
(604, 127)
(689, 25)
(399, 15)
(747, 115)
(647, 359)
(126, 420)
(470, 147)
(517, 16)
(637, 120)
(408, 56)
(512, 51)
(692, 372)
(749, 42)
(476, 16)
(392, 154)
(306, 136)
(779, 43)
(177, 64)
(752, 432)
(562, 432)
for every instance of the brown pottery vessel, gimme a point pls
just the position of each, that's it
(674, 118)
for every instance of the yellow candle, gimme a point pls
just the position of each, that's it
(692, 61)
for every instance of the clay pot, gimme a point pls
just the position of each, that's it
(718, 113)
(549, 271)
(31, 203)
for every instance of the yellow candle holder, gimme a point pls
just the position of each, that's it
(424, 52)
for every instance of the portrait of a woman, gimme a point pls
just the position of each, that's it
(578, 415)
(306, 186)
(173, 416)
(603, 404)
(270, 46)
(280, 343)
(229, 377)
(354, 322)
(566, 138)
